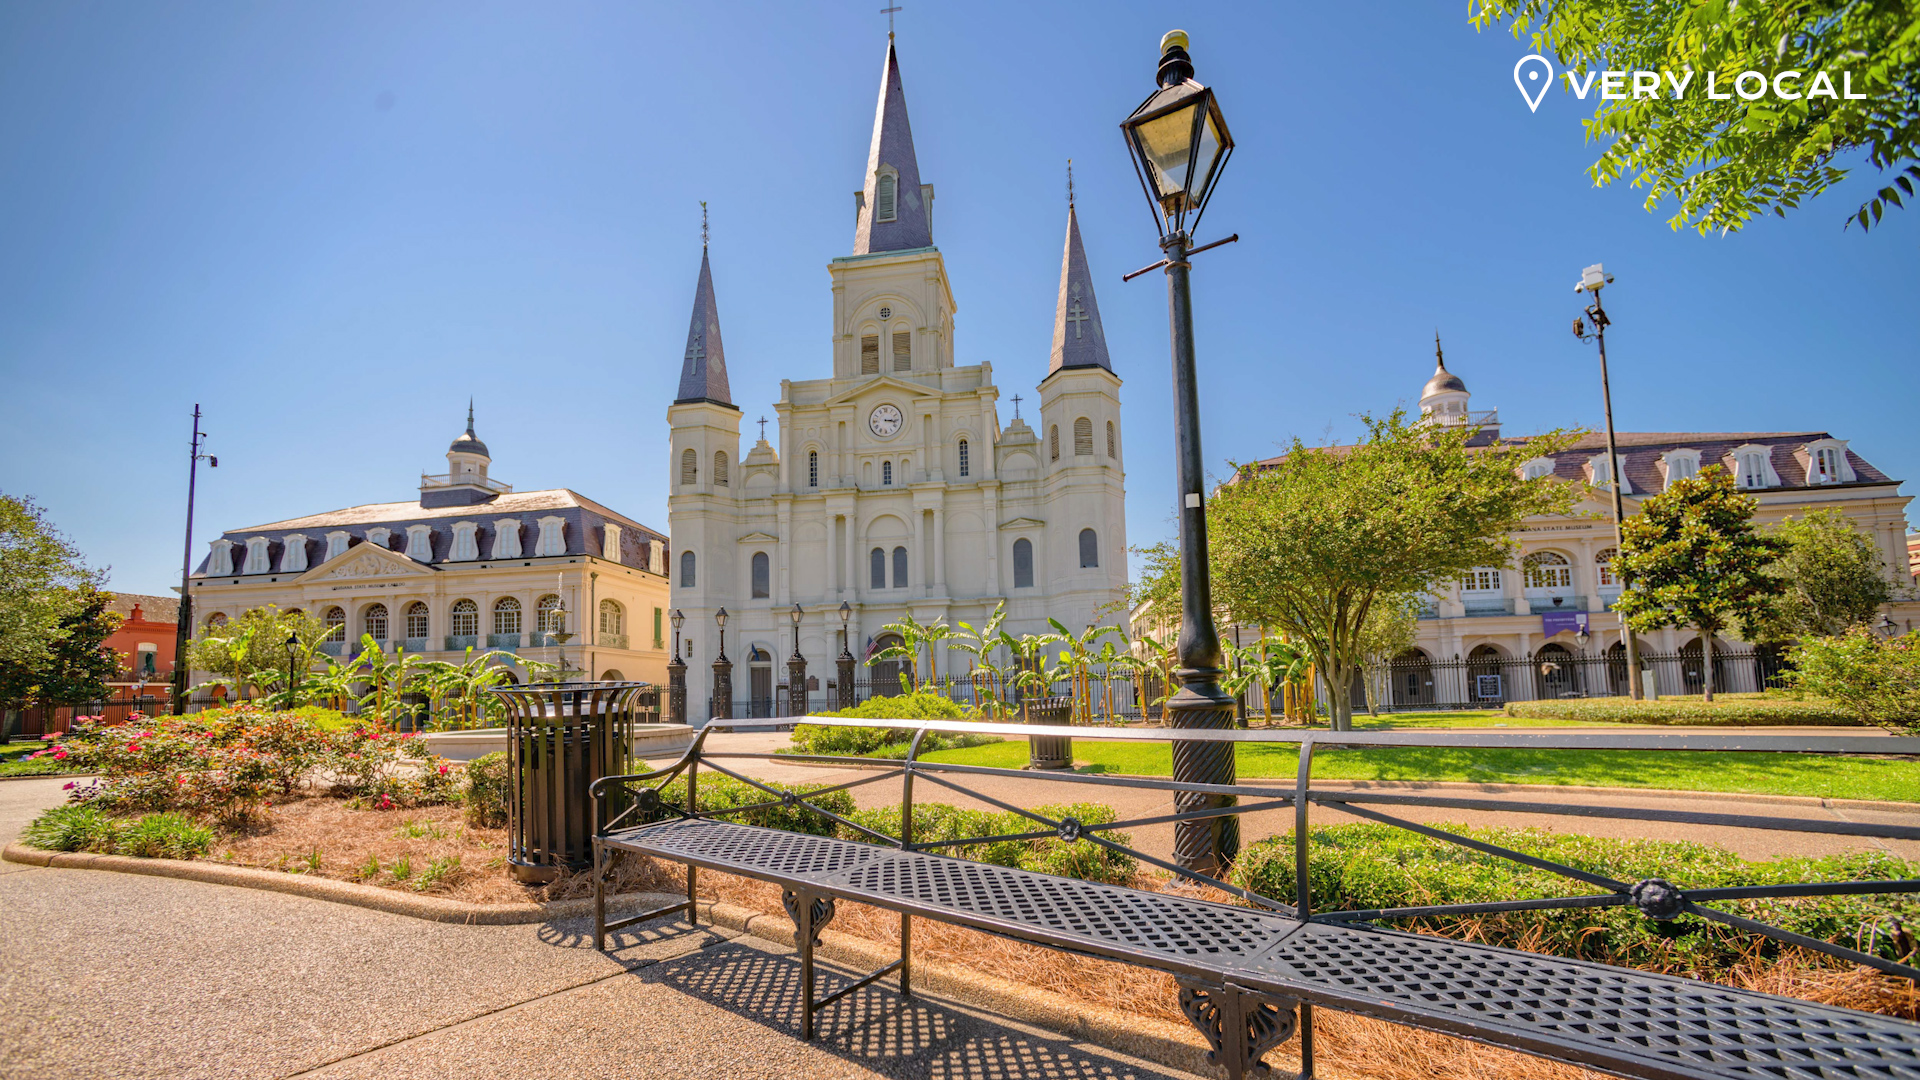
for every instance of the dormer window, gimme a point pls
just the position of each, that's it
(420, 543)
(1537, 468)
(1826, 462)
(885, 191)
(256, 556)
(610, 543)
(1680, 465)
(336, 544)
(1752, 467)
(506, 537)
(293, 554)
(378, 537)
(552, 539)
(1600, 475)
(466, 541)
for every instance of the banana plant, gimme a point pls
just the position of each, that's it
(982, 644)
(1078, 659)
(913, 635)
(1162, 658)
(1031, 670)
(1266, 663)
(1113, 659)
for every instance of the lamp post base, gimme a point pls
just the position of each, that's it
(1209, 845)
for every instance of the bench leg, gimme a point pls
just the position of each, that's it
(693, 911)
(599, 896)
(809, 914)
(906, 955)
(1240, 1026)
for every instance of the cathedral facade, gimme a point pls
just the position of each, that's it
(890, 485)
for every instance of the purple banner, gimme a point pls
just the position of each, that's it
(1552, 622)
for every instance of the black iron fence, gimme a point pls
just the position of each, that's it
(1487, 682)
(1103, 698)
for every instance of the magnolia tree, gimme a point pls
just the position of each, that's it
(1691, 557)
(1832, 578)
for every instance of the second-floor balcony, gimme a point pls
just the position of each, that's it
(611, 641)
(503, 641)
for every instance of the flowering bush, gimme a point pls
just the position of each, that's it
(231, 762)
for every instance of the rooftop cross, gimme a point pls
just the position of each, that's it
(1069, 183)
(888, 12)
(763, 427)
(703, 223)
(1016, 406)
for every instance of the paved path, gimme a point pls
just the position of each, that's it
(116, 975)
(1035, 789)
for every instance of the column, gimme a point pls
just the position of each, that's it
(940, 551)
(828, 576)
(916, 568)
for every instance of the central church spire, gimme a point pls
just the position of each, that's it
(703, 370)
(1078, 339)
(894, 212)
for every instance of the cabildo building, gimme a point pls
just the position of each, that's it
(471, 563)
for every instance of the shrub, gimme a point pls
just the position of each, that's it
(87, 828)
(171, 835)
(386, 769)
(487, 791)
(865, 742)
(1731, 710)
(72, 828)
(1368, 866)
(1046, 855)
(1877, 682)
(725, 793)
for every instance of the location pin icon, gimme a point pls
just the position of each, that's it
(1533, 74)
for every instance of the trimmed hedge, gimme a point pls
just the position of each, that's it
(886, 742)
(1727, 710)
(1049, 855)
(1367, 866)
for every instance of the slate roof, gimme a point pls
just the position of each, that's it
(703, 371)
(154, 609)
(892, 145)
(1078, 338)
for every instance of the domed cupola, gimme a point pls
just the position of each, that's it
(465, 482)
(469, 443)
(1444, 398)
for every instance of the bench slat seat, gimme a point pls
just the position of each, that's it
(1632, 1023)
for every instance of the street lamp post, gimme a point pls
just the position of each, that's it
(677, 677)
(796, 670)
(1592, 280)
(1179, 143)
(844, 663)
(722, 674)
(184, 628)
(293, 649)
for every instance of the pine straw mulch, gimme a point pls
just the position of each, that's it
(342, 841)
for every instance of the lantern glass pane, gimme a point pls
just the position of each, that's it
(1165, 143)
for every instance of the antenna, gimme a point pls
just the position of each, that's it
(888, 12)
(703, 224)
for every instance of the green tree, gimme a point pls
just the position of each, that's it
(1832, 578)
(1691, 557)
(248, 653)
(1878, 680)
(1391, 626)
(1727, 161)
(913, 636)
(42, 583)
(1313, 544)
(1158, 587)
(76, 668)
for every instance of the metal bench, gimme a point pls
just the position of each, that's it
(1249, 976)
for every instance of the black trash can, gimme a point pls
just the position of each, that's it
(1050, 751)
(561, 737)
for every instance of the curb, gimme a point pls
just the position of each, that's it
(1142, 1037)
(431, 908)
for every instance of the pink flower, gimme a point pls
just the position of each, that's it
(443, 770)
(146, 734)
(68, 786)
(385, 803)
(373, 735)
(133, 747)
(60, 754)
(50, 736)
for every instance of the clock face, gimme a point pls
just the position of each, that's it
(884, 421)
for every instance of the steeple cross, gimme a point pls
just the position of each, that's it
(1016, 406)
(763, 427)
(697, 351)
(888, 12)
(1076, 315)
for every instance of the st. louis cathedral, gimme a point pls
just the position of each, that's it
(891, 485)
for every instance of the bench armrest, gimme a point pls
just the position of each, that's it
(598, 789)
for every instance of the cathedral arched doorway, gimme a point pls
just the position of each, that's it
(759, 683)
(884, 675)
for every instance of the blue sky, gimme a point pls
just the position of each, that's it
(330, 224)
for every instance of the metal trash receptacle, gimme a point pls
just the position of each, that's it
(1050, 751)
(561, 737)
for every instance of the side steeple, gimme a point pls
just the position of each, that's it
(703, 372)
(1078, 339)
(894, 213)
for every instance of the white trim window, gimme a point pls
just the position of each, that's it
(1537, 468)
(335, 620)
(1603, 568)
(466, 542)
(293, 554)
(257, 562)
(506, 538)
(1752, 467)
(420, 543)
(1680, 465)
(373, 621)
(465, 620)
(1481, 579)
(379, 537)
(610, 542)
(337, 541)
(219, 558)
(553, 537)
(1547, 570)
(1600, 476)
(656, 557)
(417, 619)
(1826, 462)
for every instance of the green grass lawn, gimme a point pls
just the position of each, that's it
(13, 760)
(1768, 774)
(1486, 718)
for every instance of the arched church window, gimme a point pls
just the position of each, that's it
(1113, 441)
(877, 569)
(686, 569)
(720, 467)
(374, 622)
(1053, 443)
(219, 619)
(1083, 437)
(762, 573)
(886, 473)
(335, 621)
(417, 619)
(689, 467)
(1603, 562)
(506, 615)
(1547, 570)
(902, 350)
(613, 619)
(1089, 548)
(963, 458)
(899, 568)
(548, 618)
(465, 620)
(1023, 563)
(884, 191)
(813, 468)
(870, 354)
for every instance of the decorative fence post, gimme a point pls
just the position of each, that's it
(561, 737)
(796, 685)
(676, 690)
(722, 689)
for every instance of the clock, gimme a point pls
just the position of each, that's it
(884, 421)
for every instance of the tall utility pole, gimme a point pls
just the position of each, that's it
(184, 630)
(1592, 280)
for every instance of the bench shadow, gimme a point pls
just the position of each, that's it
(878, 1029)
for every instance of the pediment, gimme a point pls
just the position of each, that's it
(757, 537)
(366, 561)
(882, 382)
(1023, 523)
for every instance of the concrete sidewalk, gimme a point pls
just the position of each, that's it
(1034, 789)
